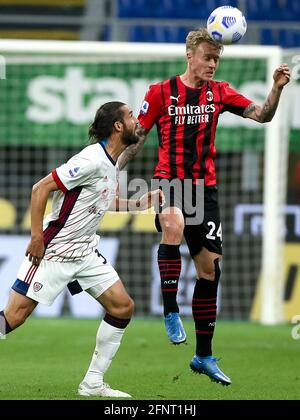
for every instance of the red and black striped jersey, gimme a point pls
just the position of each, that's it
(186, 120)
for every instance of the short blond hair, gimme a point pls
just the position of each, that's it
(195, 38)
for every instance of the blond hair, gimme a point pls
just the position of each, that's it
(195, 38)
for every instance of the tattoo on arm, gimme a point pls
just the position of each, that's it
(142, 132)
(249, 110)
(267, 111)
(132, 150)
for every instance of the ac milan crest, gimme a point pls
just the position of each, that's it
(209, 96)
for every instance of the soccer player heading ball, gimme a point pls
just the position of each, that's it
(185, 109)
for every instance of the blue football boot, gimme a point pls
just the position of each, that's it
(175, 328)
(208, 366)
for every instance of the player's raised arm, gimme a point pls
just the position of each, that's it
(266, 112)
(132, 150)
(39, 197)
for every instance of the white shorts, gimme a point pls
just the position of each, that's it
(45, 282)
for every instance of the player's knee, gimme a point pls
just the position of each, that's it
(125, 308)
(217, 269)
(172, 232)
(211, 270)
(128, 307)
(207, 270)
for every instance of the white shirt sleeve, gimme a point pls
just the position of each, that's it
(78, 171)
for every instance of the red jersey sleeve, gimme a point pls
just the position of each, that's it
(232, 100)
(151, 107)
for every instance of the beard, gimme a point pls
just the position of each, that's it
(129, 137)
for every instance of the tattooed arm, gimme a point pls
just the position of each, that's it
(132, 150)
(266, 112)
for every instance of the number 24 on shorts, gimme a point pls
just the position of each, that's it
(211, 234)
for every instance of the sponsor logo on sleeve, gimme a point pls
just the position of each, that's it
(144, 107)
(74, 171)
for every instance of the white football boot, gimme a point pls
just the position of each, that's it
(103, 390)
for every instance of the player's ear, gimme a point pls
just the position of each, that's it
(189, 55)
(118, 126)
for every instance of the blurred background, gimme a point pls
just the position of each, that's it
(48, 99)
(270, 22)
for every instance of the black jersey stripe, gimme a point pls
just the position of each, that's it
(190, 135)
(206, 140)
(220, 93)
(162, 94)
(173, 128)
(158, 125)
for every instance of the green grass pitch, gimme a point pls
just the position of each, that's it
(46, 359)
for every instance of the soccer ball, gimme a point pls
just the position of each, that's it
(226, 24)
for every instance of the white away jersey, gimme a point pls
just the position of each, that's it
(88, 184)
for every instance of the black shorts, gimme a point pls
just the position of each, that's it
(208, 234)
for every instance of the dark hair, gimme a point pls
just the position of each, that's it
(103, 124)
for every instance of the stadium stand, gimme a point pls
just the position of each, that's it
(288, 39)
(169, 9)
(157, 33)
(277, 21)
(41, 19)
(273, 22)
(278, 10)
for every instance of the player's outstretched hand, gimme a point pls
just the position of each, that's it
(151, 199)
(282, 75)
(35, 250)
